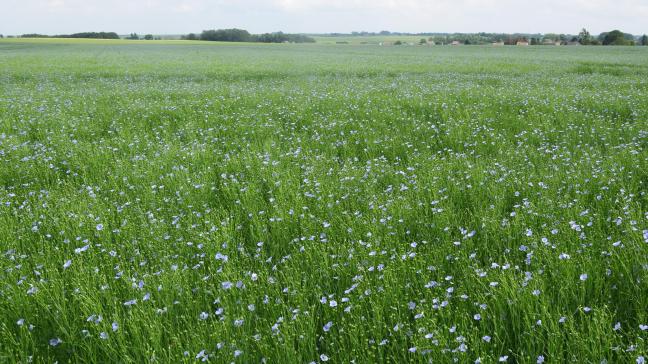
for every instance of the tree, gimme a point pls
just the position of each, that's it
(281, 37)
(35, 35)
(552, 36)
(226, 35)
(644, 40)
(615, 37)
(93, 35)
(133, 36)
(1, 36)
(422, 41)
(148, 37)
(584, 37)
(398, 42)
(241, 35)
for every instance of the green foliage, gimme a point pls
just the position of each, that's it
(552, 36)
(281, 37)
(148, 37)
(616, 37)
(266, 203)
(437, 38)
(91, 35)
(584, 37)
(34, 35)
(226, 35)
(133, 36)
(240, 35)
(644, 40)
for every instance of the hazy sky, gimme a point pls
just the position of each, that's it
(322, 16)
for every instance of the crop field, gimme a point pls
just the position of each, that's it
(183, 202)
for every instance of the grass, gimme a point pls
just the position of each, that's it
(176, 202)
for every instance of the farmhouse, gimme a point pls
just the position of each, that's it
(523, 42)
(498, 44)
(455, 42)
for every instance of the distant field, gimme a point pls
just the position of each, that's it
(374, 39)
(319, 39)
(353, 40)
(178, 201)
(88, 41)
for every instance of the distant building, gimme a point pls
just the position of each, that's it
(456, 42)
(523, 43)
(498, 44)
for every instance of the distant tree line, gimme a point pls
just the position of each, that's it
(614, 37)
(226, 35)
(280, 37)
(34, 35)
(92, 35)
(241, 35)
(134, 36)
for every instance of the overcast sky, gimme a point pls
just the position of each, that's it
(322, 16)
